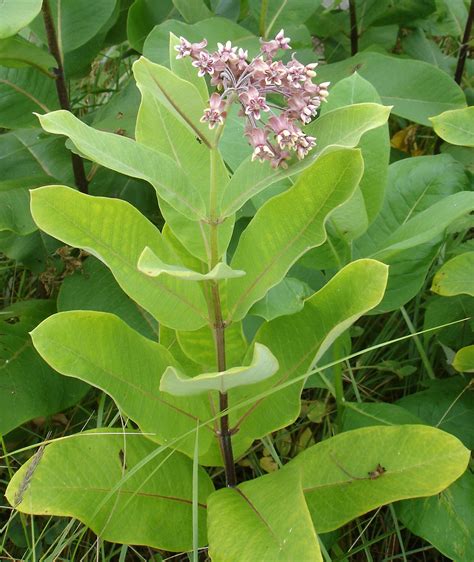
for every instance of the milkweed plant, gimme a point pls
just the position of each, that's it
(234, 347)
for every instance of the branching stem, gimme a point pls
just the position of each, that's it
(61, 89)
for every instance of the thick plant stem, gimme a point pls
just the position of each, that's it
(225, 436)
(354, 32)
(464, 45)
(80, 178)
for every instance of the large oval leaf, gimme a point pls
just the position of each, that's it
(275, 238)
(455, 276)
(340, 478)
(85, 477)
(456, 126)
(15, 15)
(116, 233)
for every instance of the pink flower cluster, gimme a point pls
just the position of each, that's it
(294, 97)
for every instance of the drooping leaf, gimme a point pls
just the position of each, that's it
(130, 158)
(417, 90)
(444, 520)
(357, 471)
(15, 16)
(456, 126)
(28, 386)
(265, 519)
(455, 276)
(300, 341)
(285, 298)
(275, 239)
(262, 367)
(104, 228)
(101, 349)
(152, 506)
(341, 127)
(150, 264)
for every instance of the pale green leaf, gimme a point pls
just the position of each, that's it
(151, 507)
(341, 127)
(130, 158)
(265, 519)
(464, 360)
(150, 264)
(15, 15)
(456, 276)
(179, 96)
(300, 341)
(417, 461)
(101, 349)
(456, 126)
(275, 238)
(263, 365)
(116, 233)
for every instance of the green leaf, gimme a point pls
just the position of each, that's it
(300, 341)
(130, 158)
(15, 16)
(445, 520)
(150, 264)
(356, 415)
(374, 144)
(192, 10)
(263, 366)
(182, 145)
(285, 298)
(447, 404)
(93, 287)
(22, 92)
(142, 17)
(341, 127)
(151, 506)
(179, 96)
(456, 126)
(281, 13)
(214, 29)
(17, 52)
(184, 69)
(455, 276)
(29, 387)
(102, 226)
(417, 90)
(101, 349)
(464, 360)
(417, 461)
(271, 514)
(76, 21)
(416, 188)
(275, 239)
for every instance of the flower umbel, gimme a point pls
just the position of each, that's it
(259, 86)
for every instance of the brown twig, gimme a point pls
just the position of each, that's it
(61, 89)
